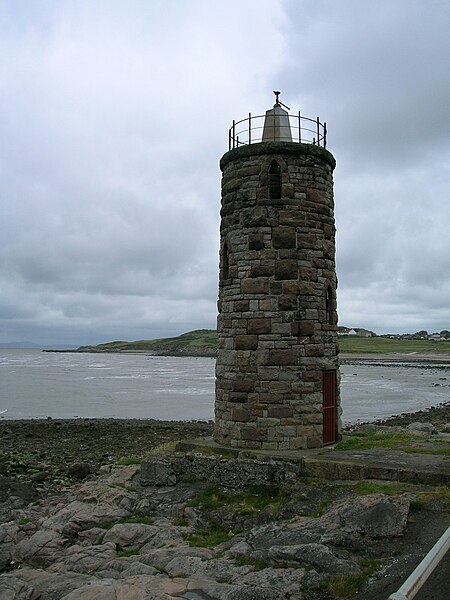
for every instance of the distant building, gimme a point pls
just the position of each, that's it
(364, 333)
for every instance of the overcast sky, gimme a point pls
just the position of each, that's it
(113, 118)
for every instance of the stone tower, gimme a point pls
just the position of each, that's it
(277, 372)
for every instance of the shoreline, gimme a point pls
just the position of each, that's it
(431, 357)
(48, 455)
(434, 412)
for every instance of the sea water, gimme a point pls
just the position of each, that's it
(35, 384)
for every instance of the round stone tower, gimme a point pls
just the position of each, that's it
(277, 371)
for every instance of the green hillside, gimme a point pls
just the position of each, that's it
(379, 345)
(203, 342)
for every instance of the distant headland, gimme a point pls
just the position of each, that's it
(352, 341)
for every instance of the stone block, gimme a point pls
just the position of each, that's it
(279, 387)
(254, 286)
(287, 302)
(292, 217)
(256, 434)
(240, 305)
(307, 289)
(276, 288)
(259, 326)
(237, 397)
(240, 414)
(305, 328)
(227, 357)
(246, 342)
(307, 274)
(271, 398)
(282, 357)
(314, 442)
(284, 237)
(291, 287)
(286, 269)
(280, 412)
(254, 217)
(283, 329)
(298, 443)
(269, 446)
(312, 376)
(266, 270)
(243, 385)
(267, 304)
(314, 350)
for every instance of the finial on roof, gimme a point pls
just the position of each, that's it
(277, 100)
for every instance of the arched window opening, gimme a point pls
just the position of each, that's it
(329, 308)
(274, 180)
(225, 261)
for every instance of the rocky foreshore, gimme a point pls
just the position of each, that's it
(154, 530)
(114, 539)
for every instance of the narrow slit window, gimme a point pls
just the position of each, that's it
(225, 261)
(329, 306)
(274, 180)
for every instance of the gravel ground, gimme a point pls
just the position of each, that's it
(51, 454)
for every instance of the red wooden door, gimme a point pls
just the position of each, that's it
(329, 407)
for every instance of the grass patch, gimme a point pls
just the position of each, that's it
(130, 460)
(423, 494)
(142, 520)
(24, 521)
(366, 441)
(252, 501)
(440, 492)
(215, 534)
(223, 452)
(379, 345)
(345, 587)
(252, 562)
(125, 553)
(437, 451)
(211, 498)
(165, 448)
(321, 507)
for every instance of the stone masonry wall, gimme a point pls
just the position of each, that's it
(277, 331)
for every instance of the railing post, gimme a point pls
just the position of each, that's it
(318, 131)
(234, 124)
(249, 128)
(324, 135)
(299, 128)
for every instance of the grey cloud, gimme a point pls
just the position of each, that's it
(116, 116)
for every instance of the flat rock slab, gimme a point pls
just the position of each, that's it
(379, 463)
